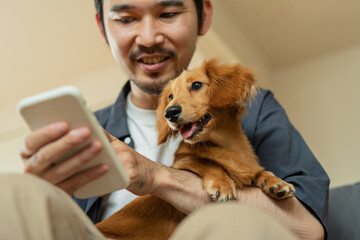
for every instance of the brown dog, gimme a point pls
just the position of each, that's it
(204, 105)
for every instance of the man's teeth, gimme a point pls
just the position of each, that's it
(152, 60)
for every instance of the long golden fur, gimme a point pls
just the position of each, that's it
(204, 106)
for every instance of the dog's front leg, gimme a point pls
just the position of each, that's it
(216, 181)
(246, 171)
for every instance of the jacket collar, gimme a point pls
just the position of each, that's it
(117, 121)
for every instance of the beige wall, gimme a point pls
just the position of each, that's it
(322, 98)
(43, 45)
(228, 27)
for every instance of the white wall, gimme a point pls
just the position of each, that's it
(322, 98)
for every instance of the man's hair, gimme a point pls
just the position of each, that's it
(198, 5)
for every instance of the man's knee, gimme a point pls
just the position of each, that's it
(25, 185)
(228, 220)
(17, 178)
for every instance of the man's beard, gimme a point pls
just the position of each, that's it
(156, 86)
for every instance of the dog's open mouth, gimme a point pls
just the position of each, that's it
(189, 130)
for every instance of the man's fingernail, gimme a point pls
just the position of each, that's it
(24, 150)
(81, 133)
(102, 169)
(60, 127)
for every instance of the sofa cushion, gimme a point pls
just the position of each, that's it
(344, 212)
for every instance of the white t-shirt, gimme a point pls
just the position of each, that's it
(142, 128)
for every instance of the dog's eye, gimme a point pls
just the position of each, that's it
(196, 86)
(171, 97)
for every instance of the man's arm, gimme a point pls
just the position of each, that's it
(290, 211)
(185, 192)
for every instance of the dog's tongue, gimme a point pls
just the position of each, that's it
(188, 130)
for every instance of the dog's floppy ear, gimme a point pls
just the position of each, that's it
(164, 131)
(229, 84)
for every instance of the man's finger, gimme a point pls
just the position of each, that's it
(81, 179)
(47, 155)
(69, 167)
(38, 138)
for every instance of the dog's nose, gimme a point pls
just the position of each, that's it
(173, 113)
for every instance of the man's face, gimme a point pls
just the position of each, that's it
(153, 40)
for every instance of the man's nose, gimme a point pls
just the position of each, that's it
(149, 33)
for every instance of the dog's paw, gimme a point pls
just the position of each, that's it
(220, 190)
(281, 190)
(274, 186)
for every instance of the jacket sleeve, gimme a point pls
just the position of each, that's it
(281, 150)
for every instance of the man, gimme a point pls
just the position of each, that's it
(154, 41)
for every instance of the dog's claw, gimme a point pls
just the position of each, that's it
(213, 197)
(276, 187)
(281, 194)
(221, 193)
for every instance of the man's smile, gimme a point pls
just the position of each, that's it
(152, 60)
(153, 63)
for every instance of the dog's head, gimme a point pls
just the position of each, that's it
(186, 103)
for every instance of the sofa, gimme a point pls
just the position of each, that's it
(344, 212)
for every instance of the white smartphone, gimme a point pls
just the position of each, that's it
(67, 104)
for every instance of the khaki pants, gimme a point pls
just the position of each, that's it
(31, 208)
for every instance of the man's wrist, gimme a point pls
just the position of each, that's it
(161, 179)
(180, 188)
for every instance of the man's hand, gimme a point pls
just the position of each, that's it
(41, 148)
(141, 170)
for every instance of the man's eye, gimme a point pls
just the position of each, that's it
(168, 14)
(125, 19)
(196, 86)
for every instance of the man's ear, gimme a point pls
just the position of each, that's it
(206, 17)
(101, 28)
(229, 84)
(164, 131)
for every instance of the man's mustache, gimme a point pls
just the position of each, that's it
(151, 50)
